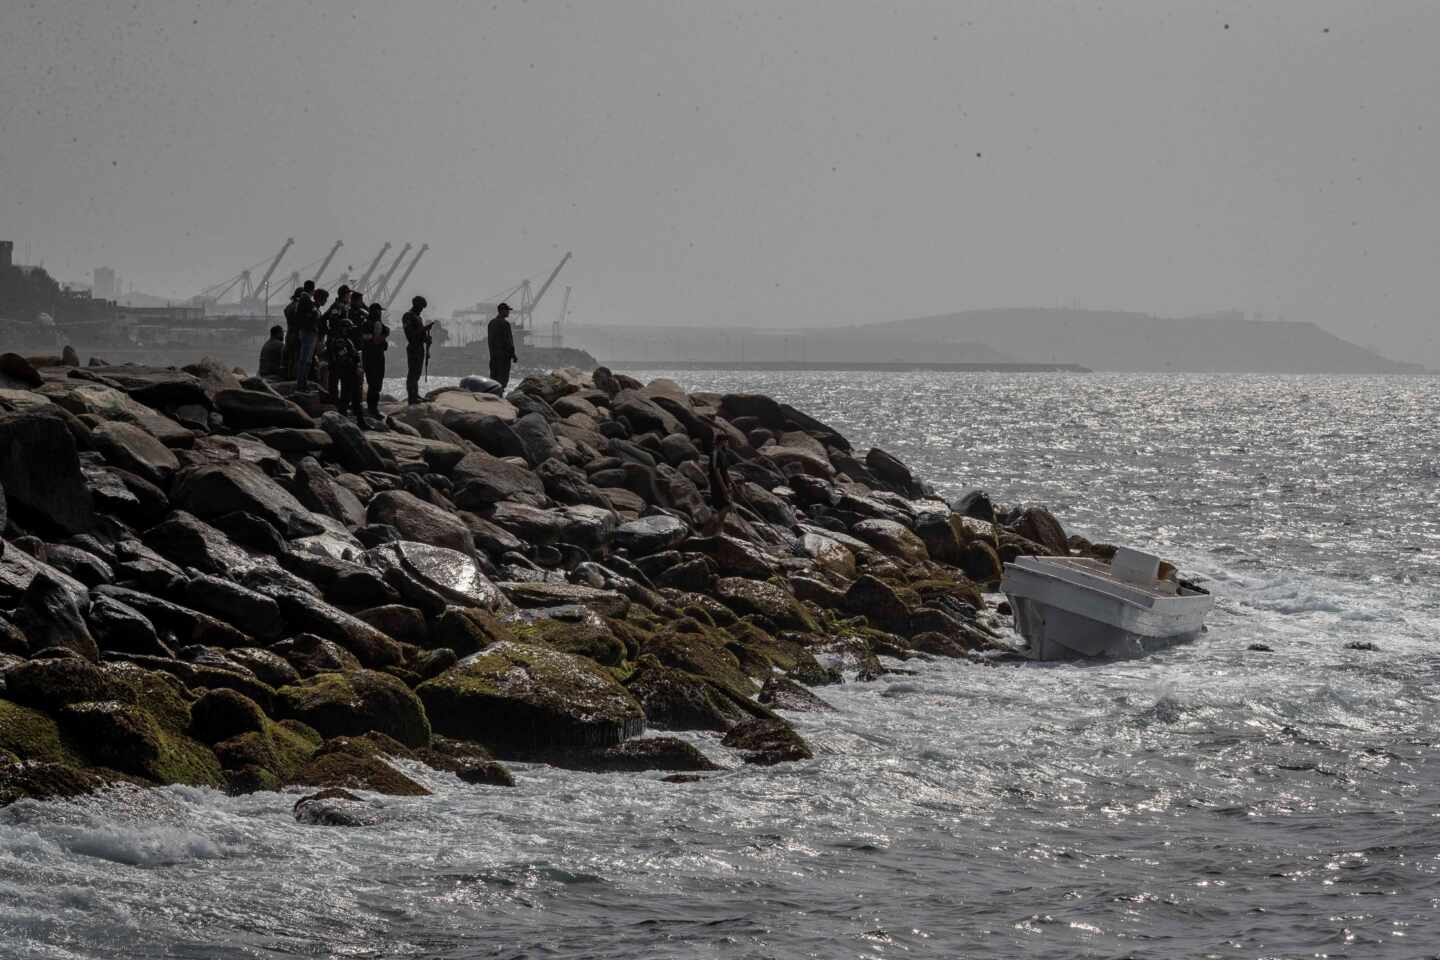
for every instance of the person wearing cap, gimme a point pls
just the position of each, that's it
(272, 355)
(417, 339)
(500, 338)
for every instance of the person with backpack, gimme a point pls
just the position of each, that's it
(344, 348)
(375, 339)
(417, 341)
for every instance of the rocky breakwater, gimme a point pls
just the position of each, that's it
(204, 580)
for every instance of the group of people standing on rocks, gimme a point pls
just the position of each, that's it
(343, 345)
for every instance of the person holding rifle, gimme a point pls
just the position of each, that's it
(375, 338)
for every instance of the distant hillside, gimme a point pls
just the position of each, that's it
(748, 345)
(1113, 340)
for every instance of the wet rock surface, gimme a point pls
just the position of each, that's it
(204, 582)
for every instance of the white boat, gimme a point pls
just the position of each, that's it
(1070, 608)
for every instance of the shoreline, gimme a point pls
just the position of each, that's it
(896, 366)
(209, 579)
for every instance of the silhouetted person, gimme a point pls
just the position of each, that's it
(417, 339)
(272, 355)
(292, 332)
(721, 500)
(344, 352)
(339, 310)
(307, 323)
(500, 338)
(374, 342)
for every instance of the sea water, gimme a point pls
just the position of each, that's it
(1210, 801)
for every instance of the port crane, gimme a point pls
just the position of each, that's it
(328, 257)
(528, 303)
(250, 293)
(400, 284)
(365, 277)
(557, 335)
(524, 300)
(383, 284)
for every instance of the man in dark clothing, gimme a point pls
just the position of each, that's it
(292, 332)
(375, 338)
(417, 341)
(307, 323)
(721, 499)
(500, 338)
(272, 355)
(345, 365)
(328, 323)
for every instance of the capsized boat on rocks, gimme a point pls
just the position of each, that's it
(1069, 608)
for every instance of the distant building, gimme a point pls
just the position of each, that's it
(105, 285)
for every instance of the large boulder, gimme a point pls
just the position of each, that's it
(318, 491)
(455, 577)
(421, 521)
(50, 616)
(354, 703)
(893, 473)
(185, 624)
(219, 489)
(767, 742)
(774, 603)
(40, 469)
(371, 647)
(651, 534)
(481, 479)
(1040, 525)
(678, 699)
(128, 447)
(120, 628)
(892, 539)
(351, 448)
(537, 438)
(243, 409)
(490, 433)
(522, 698)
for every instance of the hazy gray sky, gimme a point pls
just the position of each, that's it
(782, 162)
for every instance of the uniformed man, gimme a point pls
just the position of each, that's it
(500, 338)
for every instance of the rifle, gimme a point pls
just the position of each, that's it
(427, 350)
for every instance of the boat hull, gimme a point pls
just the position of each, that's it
(1067, 609)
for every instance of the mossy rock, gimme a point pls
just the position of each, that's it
(687, 645)
(131, 740)
(30, 735)
(767, 742)
(281, 749)
(354, 771)
(679, 700)
(47, 781)
(251, 779)
(784, 652)
(591, 637)
(773, 601)
(222, 714)
(518, 698)
(354, 703)
(468, 629)
(51, 685)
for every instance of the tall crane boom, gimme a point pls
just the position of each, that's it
(383, 283)
(273, 264)
(328, 257)
(549, 280)
(400, 284)
(365, 277)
